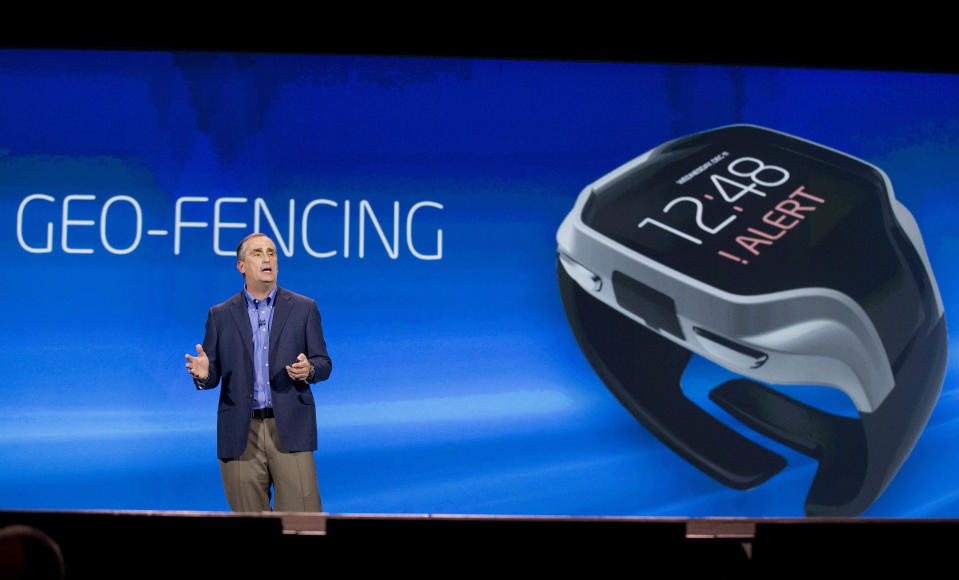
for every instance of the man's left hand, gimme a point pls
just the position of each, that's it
(300, 370)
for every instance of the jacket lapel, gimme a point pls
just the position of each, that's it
(281, 312)
(242, 320)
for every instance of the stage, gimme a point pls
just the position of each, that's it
(115, 543)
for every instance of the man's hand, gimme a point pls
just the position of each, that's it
(301, 369)
(199, 365)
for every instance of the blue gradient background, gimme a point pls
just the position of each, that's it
(457, 386)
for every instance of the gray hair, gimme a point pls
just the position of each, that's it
(241, 248)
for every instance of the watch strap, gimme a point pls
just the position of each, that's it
(643, 371)
(857, 457)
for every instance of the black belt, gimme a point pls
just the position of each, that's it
(266, 413)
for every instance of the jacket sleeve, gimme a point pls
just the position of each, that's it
(210, 344)
(316, 346)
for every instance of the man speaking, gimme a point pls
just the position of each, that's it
(266, 346)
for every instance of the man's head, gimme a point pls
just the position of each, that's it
(256, 261)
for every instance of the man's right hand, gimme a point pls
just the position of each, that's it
(199, 365)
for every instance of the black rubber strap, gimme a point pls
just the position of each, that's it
(857, 457)
(643, 369)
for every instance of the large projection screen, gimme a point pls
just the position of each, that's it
(417, 201)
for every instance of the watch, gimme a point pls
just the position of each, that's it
(784, 261)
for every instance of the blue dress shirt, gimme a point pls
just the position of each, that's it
(261, 321)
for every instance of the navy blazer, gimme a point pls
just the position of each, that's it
(229, 346)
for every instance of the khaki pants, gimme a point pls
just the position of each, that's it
(247, 479)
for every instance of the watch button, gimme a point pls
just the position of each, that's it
(729, 352)
(585, 278)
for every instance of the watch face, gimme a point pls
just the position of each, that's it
(752, 211)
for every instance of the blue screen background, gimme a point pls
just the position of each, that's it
(457, 386)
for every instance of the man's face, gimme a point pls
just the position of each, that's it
(259, 261)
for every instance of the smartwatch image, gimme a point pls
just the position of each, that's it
(781, 260)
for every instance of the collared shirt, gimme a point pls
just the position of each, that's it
(261, 321)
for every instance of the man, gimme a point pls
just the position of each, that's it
(266, 346)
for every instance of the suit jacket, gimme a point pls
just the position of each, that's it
(229, 346)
